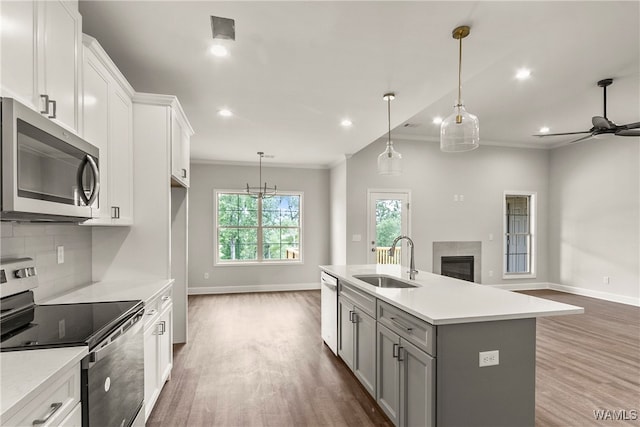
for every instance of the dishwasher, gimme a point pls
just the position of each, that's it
(329, 313)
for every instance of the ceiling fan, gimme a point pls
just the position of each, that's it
(601, 124)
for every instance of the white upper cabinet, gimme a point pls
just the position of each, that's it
(41, 58)
(108, 124)
(180, 149)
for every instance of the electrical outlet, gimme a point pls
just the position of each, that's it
(490, 237)
(461, 197)
(605, 280)
(60, 251)
(206, 275)
(356, 237)
(455, 197)
(490, 273)
(489, 358)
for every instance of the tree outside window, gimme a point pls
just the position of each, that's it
(257, 230)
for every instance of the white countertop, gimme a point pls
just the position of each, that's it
(26, 373)
(442, 300)
(115, 290)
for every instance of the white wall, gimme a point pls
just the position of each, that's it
(338, 194)
(316, 235)
(39, 241)
(594, 219)
(434, 177)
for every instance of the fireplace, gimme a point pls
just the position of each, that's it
(460, 267)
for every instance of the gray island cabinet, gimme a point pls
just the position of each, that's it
(443, 353)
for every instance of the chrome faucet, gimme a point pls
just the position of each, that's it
(412, 264)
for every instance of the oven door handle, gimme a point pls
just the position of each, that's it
(101, 353)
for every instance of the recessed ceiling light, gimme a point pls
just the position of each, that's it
(523, 74)
(544, 129)
(346, 123)
(219, 50)
(225, 113)
(437, 120)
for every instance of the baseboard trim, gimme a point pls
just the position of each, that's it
(240, 289)
(606, 296)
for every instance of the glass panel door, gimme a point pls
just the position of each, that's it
(388, 219)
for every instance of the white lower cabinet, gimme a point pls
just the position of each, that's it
(406, 380)
(55, 405)
(158, 347)
(74, 419)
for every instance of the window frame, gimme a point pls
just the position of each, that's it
(217, 262)
(533, 217)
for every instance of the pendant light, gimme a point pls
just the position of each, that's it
(261, 192)
(460, 131)
(389, 162)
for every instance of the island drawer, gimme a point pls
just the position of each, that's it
(366, 302)
(417, 331)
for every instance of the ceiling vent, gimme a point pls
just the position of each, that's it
(223, 28)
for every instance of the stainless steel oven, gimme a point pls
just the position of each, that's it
(48, 173)
(113, 378)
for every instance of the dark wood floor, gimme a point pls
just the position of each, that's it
(258, 360)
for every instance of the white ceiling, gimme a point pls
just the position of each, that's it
(297, 69)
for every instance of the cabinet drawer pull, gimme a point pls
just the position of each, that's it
(355, 317)
(404, 326)
(395, 350)
(166, 298)
(52, 410)
(400, 354)
(152, 312)
(184, 173)
(350, 316)
(46, 104)
(162, 328)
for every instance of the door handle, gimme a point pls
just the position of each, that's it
(395, 350)
(53, 115)
(400, 354)
(373, 249)
(96, 180)
(350, 316)
(184, 173)
(46, 104)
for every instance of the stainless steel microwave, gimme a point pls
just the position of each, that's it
(48, 173)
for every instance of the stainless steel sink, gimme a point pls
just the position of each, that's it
(383, 281)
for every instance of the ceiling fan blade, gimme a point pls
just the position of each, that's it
(628, 132)
(562, 134)
(601, 123)
(581, 139)
(631, 125)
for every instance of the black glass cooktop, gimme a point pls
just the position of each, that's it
(63, 325)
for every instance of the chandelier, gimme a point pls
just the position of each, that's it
(261, 191)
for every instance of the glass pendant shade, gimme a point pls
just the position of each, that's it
(460, 131)
(390, 161)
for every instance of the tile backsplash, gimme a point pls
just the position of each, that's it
(39, 241)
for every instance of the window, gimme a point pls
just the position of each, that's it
(519, 237)
(250, 230)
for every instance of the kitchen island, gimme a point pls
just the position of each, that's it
(443, 352)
